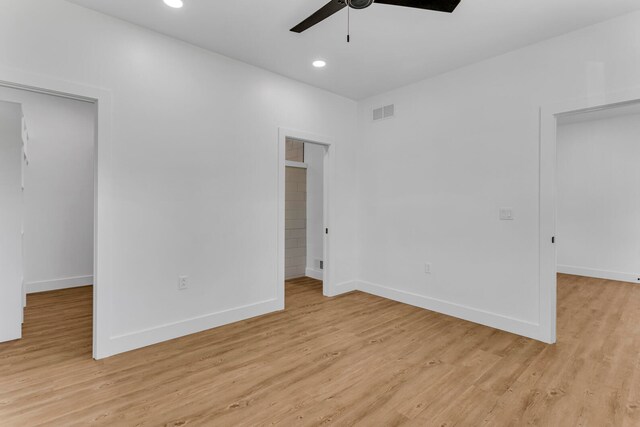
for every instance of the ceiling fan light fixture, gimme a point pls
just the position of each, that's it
(359, 4)
(176, 4)
(319, 63)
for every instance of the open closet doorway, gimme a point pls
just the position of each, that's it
(48, 149)
(304, 230)
(598, 198)
(589, 211)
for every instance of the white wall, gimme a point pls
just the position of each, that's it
(598, 213)
(59, 189)
(314, 158)
(192, 190)
(462, 145)
(11, 212)
(190, 132)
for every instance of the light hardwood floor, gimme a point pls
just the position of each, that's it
(354, 359)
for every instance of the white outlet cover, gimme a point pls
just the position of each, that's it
(183, 282)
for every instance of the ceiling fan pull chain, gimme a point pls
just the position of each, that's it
(348, 24)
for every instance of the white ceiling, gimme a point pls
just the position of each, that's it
(390, 46)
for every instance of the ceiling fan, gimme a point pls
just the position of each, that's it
(336, 5)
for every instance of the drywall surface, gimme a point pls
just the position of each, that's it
(193, 170)
(11, 212)
(462, 146)
(58, 196)
(314, 158)
(295, 150)
(295, 222)
(598, 213)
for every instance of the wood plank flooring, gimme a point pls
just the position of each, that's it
(351, 360)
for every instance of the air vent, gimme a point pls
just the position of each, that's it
(389, 111)
(386, 112)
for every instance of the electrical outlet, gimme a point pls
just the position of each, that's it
(183, 283)
(506, 214)
(427, 268)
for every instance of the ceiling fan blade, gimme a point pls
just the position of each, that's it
(323, 13)
(438, 5)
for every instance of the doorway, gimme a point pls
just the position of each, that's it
(552, 117)
(56, 202)
(598, 194)
(304, 215)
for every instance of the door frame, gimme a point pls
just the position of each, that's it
(328, 285)
(102, 99)
(548, 193)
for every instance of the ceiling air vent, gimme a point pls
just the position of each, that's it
(385, 112)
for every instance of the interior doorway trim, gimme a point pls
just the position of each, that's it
(102, 252)
(328, 286)
(548, 192)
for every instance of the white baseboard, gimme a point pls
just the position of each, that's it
(138, 339)
(54, 285)
(343, 288)
(599, 274)
(314, 274)
(142, 338)
(486, 318)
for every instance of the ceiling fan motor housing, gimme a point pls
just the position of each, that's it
(359, 4)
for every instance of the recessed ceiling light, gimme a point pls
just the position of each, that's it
(319, 63)
(176, 4)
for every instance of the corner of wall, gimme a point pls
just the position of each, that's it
(343, 288)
